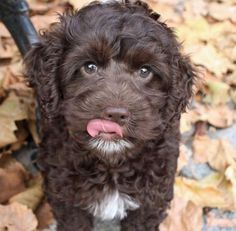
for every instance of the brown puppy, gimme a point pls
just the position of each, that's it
(111, 84)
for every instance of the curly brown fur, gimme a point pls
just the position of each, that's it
(119, 38)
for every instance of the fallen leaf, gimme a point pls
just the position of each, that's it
(184, 156)
(213, 191)
(181, 212)
(17, 217)
(221, 11)
(219, 153)
(13, 108)
(220, 116)
(44, 215)
(7, 134)
(5, 51)
(3, 31)
(79, 3)
(42, 22)
(12, 177)
(212, 59)
(218, 92)
(32, 196)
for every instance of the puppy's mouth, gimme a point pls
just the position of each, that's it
(104, 129)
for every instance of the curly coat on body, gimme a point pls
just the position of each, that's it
(111, 84)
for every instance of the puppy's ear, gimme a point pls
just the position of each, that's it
(184, 79)
(41, 66)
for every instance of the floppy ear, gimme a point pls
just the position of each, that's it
(42, 64)
(184, 77)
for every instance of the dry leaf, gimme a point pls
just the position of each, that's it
(213, 191)
(218, 92)
(181, 212)
(79, 3)
(7, 135)
(45, 216)
(17, 217)
(219, 153)
(13, 108)
(12, 177)
(184, 156)
(212, 59)
(42, 22)
(222, 12)
(220, 116)
(32, 196)
(3, 31)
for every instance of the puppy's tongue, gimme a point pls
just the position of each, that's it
(95, 126)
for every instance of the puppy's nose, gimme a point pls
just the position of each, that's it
(117, 114)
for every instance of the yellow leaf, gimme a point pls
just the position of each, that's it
(218, 92)
(13, 108)
(212, 59)
(222, 12)
(32, 196)
(79, 3)
(7, 135)
(179, 215)
(220, 116)
(213, 191)
(219, 153)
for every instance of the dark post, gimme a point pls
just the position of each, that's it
(14, 14)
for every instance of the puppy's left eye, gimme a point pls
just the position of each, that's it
(90, 68)
(145, 72)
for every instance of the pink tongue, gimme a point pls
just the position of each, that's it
(98, 125)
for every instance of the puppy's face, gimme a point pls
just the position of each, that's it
(116, 77)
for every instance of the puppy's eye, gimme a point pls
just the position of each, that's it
(90, 68)
(145, 72)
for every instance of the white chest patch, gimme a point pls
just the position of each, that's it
(113, 206)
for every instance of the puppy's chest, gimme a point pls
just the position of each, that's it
(113, 205)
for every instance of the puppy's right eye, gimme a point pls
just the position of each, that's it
(90, 68)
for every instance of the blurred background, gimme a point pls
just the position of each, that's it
(205, 187)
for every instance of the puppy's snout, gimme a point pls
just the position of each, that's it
(117, 114)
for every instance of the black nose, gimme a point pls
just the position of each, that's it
(117, 114)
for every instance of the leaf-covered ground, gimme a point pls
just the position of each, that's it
(205, 187)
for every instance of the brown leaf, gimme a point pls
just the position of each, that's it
(184, 156)
(17, 217)
(181, 212)
(218, 92)
(7, 135)
(13, 108)
(42, 22)
(5, 51)
(32, 196)
(45, 216)
(214, 190)
(212, 59)
(79, 4)
(3, 31)
(12, 177)
(219, 153)
(222, 12)
(220, 116)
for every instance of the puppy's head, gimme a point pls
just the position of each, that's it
(114, 73)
